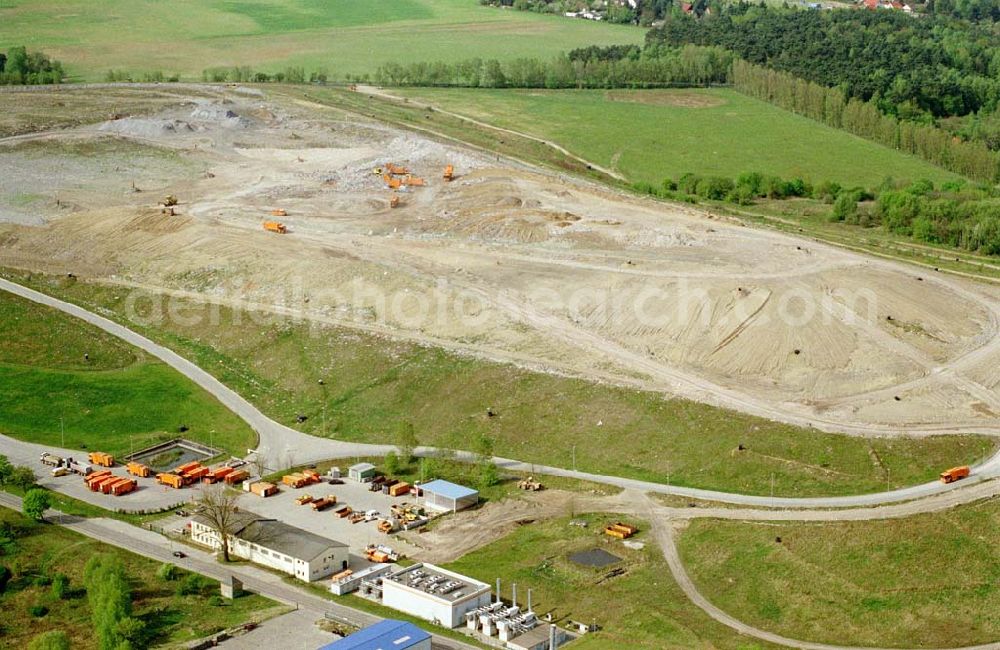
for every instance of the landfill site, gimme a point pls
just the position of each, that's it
(234, 197)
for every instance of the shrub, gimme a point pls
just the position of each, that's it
(741, 195)
(845, 208)
(216, 601)
(60, 586)
(41, 580)
(38, 611)
(167, 572)
(827, 191)
(714, 188)
(53, 640)
(191, 584)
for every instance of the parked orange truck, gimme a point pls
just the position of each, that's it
(954, 474)
(236, 477)
(171, 480)
(449, 172)
(137, 469)
(101, 458)
(275, 226)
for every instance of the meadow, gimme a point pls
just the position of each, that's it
(340, 36)
(649, 135)
(114, 398)
(371, 386)
(40, 551)
(924, 581)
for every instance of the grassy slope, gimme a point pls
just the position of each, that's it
(118, 393)
(48, 549)
(654, 134)
(926, 581)
(343, 36)
(643, 609)
(371, 385)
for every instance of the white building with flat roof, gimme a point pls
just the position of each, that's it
(434, 594)
(445, 496)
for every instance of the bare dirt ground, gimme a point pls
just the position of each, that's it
(504, 262)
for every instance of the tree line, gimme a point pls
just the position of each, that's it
(683, 66)
(18, 67)
(956, 214)
(643, 13)
(833, 107)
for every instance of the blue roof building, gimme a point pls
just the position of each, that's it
(448, 496)
(384, 635)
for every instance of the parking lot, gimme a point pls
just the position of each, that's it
(282, 506)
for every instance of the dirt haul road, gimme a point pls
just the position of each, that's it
(504, 262)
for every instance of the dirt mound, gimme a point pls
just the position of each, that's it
(146, 127)
(220, 115)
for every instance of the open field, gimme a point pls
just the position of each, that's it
(489, 291)
(339, 36)
(371, 385)
(45, 549)
(641, 609)
(649, 135)
(118, 398)
(924, 581)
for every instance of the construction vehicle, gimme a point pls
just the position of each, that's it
(51, 459)
(170, 479)
(137, 469)
(238, 476)
(343, 511)
(394, 201)
(449, 172)
(101, 458)
(386, 526)
(320, 505)
(380, 553)
(59, 471)
(413, 181)
(278, 212)
(529, 484)
(620, 530)
(392, 183)
(954, 474)
(275, 226)
(186, 467)
(396, 170)
(123, 487)
(399, 489)
(195, 475)
(356, 518)
(304, 499)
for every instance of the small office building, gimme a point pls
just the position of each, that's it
(434, 594)
(362, 472)
(445, 496)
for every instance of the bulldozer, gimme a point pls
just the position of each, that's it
(530, 484)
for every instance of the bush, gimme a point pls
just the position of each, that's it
(741, 195)
(192, 584)
(714, 188)
(167, 572)
(827, 191)
(60, 586)
(53, 640)
(216, 601)
(845, 208)
(38, 611)
(41, 580)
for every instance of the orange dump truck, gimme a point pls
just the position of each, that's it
(413, 181)
(218, 474)
(449, 172)
(620, 530)
(275, 226)
(236, 477)
(392, 183)
(954, 474)
(123, 486)
(396, 169)
(278, 212)
(170, 479)
(186, 467)
(137, 469)
(399, 489)
(196, 474)
(101, 458)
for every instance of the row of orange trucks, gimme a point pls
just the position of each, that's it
(195, 472)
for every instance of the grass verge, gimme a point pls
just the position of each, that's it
(925, 581)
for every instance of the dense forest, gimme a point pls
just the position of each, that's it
(20, 67)
(914, 69)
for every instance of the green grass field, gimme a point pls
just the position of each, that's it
(372, 385)
(926, 581)
(342, 36)
(118, 398)
(642, 609)
(648, 135)
(46, 549)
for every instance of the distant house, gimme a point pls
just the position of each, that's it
(277, 545)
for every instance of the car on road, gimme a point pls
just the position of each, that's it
(180, 554)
